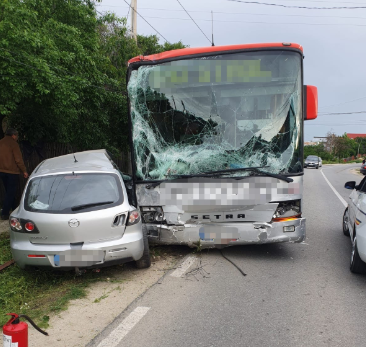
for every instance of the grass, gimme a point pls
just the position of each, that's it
(39, 293)
(356, 161)
(104, 296)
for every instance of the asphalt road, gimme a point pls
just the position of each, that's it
(293, 294)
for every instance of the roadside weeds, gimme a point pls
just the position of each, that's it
(46, 295)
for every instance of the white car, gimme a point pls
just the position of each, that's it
(354, 225)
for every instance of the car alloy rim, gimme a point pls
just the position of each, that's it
(353, 250)
(345, 222)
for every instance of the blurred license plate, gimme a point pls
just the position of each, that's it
(218, 234)
(79, 257)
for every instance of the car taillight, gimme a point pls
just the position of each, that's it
(22, 225)
(29, 226)
(133, 217)
(15, 224)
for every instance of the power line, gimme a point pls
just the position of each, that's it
(146, 21)
(194, 22)
(129, 8)
(299, 7)
(258, 22)
(345, 102)
(339, 113)
(244, 13)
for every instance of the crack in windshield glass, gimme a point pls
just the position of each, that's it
(216, 113)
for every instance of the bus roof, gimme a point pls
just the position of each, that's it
(201, 50)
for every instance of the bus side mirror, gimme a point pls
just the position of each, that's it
(310, 102)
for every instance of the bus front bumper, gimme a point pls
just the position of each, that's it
(218, 235)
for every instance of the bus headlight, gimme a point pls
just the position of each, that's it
(287, 209)
(152, 214)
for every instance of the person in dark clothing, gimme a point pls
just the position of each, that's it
(11, 165)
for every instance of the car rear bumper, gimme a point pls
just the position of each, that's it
(220, 235)
(129, 247)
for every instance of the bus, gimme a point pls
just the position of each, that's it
(216, 137)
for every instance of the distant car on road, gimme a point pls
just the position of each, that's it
(313, 161)
(75, 212)
(354, 224)
(363, 169)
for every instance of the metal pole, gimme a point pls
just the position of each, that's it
(134, 19)
(212, 29)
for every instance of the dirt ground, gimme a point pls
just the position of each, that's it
(4, 226)
(357, 172)
(86, 317)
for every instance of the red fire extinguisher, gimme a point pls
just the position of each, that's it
(15, 333)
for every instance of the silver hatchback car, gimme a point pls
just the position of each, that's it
(75, 213)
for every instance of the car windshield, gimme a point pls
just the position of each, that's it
(73, 193)
(216, 113)
(312, 157)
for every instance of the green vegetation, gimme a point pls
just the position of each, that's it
(63, 72)
(336, 148)
(39, 293)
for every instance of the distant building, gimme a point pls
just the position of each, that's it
(353, 136)
(310, 143)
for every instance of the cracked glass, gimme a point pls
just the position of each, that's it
(228, 111)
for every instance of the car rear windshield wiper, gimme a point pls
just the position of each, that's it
(81, 207)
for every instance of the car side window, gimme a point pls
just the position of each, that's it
(362, 186)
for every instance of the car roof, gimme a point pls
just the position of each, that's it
(95, 160)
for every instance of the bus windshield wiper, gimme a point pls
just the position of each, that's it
(227, 171)
(81, 207)
(270, 174)
(256, 169)
(237, 169)
(179, 176)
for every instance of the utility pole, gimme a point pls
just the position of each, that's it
(134, 19)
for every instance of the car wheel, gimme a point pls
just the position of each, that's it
(145, 260)
(317, 167)
(345, 223)
(357, 265)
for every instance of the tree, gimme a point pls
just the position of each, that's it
(62, 72)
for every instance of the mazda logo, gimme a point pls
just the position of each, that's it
(74, 223)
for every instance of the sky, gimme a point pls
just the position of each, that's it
(333, 42)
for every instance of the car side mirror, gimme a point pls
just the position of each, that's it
(350, 185)
(310, 102)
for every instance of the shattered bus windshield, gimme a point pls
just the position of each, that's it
(216, 113)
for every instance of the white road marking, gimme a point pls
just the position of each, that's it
(124, 328)
(184, 267)
(334, 190)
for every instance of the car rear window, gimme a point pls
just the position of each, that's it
(73, 193)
